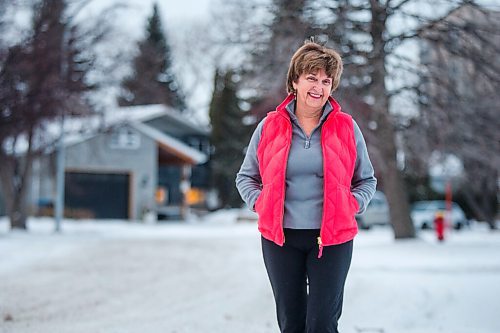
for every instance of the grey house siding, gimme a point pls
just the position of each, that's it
(97, 155)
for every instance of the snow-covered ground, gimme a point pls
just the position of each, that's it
(208, 276)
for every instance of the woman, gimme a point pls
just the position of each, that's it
(307, 173)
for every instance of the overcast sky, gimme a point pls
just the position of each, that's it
(174, 13)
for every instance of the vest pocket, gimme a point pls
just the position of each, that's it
(347, 206)
(264, 194)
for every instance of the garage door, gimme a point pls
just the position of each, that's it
(97, 195)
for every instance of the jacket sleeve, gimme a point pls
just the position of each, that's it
(248, 180)
(364, 183)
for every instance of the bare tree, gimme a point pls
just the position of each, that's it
(226, 39)
(459, 101)
(42, 79)
(30, 82)
(374, 61)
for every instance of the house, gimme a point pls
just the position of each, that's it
(129, 162)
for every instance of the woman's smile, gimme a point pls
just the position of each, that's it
(315, 95)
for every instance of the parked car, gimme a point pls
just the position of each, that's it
(377, 212)
(424, 212)
(246, 215)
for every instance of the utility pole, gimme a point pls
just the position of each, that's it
(59, 204)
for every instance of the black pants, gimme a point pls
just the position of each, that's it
(300, 309)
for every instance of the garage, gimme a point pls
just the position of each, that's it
(97, 195)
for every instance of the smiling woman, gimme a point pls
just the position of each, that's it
(307, 173)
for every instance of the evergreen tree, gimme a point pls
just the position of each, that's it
(153, 80)
(229, 137)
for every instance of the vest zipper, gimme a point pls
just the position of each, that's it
(320, 245)
(284, 183)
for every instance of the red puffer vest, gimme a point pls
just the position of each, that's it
(338, 224)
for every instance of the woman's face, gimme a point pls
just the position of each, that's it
(312, 90)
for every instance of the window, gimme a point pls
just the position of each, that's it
(125, 138)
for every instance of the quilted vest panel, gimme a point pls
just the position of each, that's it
(339, 157)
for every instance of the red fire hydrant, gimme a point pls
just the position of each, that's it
(439, 225)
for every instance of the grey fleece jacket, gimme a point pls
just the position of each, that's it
(304, 174)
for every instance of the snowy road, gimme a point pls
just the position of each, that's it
(209, 277)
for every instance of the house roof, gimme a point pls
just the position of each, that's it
(138, 113)
(85, 128)
(161, 117)
(171, 144)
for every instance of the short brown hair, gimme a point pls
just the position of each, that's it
(310, 58)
